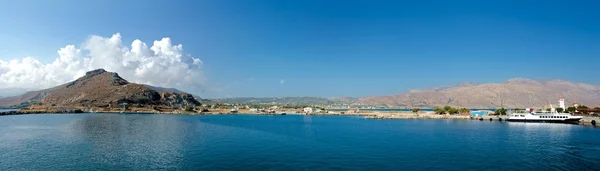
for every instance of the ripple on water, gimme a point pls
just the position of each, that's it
(182, 142)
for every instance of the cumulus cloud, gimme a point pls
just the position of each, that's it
(162, 64)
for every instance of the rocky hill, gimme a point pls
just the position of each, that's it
(512, 93)
(99, 88)
(174, 90)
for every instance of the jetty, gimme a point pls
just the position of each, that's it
(413, 116)
(589, 120)
(491, 118)
(57, 110)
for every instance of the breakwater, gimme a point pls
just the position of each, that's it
(57, 110)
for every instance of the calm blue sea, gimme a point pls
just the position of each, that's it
(244, 142)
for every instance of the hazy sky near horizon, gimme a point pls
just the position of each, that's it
(299, 48)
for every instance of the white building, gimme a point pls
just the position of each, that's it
(561, 102)
(308, 110)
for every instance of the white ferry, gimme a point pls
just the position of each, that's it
(551, 116)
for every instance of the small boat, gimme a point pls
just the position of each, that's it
(551, 116)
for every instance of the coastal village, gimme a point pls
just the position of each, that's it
(100, 91)
(212, 108)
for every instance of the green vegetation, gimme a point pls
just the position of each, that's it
(415, 110)
(189, 108)
(452, 111)
(500, 111)
(464, 111)
(560, 110)
(439, 110)
(548, 109)
(582, 107)
(447, 108)
(571, 109)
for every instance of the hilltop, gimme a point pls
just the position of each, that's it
(102, 89)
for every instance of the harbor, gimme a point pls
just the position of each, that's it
(586, 120)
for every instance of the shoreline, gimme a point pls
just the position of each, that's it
(587, 120)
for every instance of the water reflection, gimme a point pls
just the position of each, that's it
(140, 140)
(551, 141)
(226, 142)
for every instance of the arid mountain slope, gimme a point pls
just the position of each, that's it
(512, 93)
(99, 88)
(32, 96)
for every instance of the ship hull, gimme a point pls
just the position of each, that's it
(573, 120)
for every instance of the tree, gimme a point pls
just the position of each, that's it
(500, 111)
(560, 110)
(597, 108)
(189, 108)
(548, 109)
(464, 111)
(452, 111)
(439, 110)
(447, 108)
(571, 109)
(519, 110)
(415, 110)
(582, 107)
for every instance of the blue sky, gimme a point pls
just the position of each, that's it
(330, 48)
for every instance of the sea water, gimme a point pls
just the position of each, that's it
(292, 142)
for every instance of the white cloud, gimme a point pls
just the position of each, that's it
(163, 64)
(282, 81)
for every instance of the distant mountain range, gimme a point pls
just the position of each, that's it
(512, 93)
(99, 88)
